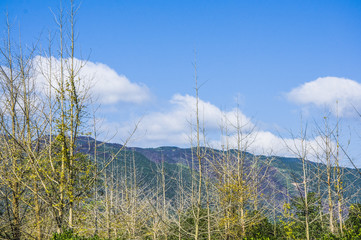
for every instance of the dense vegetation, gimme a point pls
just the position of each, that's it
(57, 181)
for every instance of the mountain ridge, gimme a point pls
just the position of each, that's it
(283, 173)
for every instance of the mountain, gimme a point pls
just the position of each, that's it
(280, 174)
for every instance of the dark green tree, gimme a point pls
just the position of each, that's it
(298, 206)
(353, 222)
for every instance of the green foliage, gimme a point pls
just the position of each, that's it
(188, 221)
(298, 205)
(187, 225)
(69, 234)
(262, 229)
(287, 221)
(353, 222)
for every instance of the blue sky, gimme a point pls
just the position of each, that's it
(259, 52)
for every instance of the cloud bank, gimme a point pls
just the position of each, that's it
(106, 84)
(175, 126)
(339, 95)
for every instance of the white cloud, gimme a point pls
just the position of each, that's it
(173, 126)
(266, 143)
(106, 84)
(339, 95)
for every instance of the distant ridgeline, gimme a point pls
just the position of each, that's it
(279, 178)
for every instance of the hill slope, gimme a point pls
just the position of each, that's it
(281, 173)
